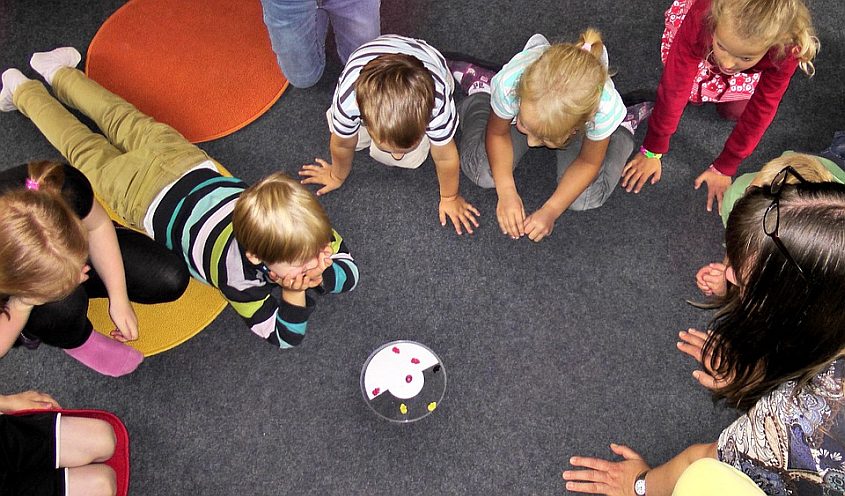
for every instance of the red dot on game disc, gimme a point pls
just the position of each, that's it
(376, 391)
(408, 378)
(415, 361)
(395, 349)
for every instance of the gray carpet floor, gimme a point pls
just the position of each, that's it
(551, 349)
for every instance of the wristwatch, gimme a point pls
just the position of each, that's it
(639, 484)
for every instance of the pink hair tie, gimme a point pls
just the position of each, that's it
(32, 184)
(587, 46)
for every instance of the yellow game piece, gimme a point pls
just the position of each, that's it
(432, 406)
(403, 409)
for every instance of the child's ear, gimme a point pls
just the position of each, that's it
(252, 258)
(730, 275)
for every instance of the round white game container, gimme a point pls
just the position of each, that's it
(403, 381)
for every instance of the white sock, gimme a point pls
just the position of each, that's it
(47, 63)
(12, 78)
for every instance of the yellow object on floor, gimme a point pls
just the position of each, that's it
(709, 476)
(165, 325)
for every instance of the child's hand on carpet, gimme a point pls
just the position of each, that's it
(321, 173)
(27, 400)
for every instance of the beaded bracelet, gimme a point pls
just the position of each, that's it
(649, 154)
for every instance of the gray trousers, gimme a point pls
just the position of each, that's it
(474, 112)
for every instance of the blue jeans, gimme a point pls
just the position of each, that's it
(298, 33)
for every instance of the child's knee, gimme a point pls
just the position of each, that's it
(102, 481)
(477, 171)
(731, 111)
(106, 483)
(103, 440)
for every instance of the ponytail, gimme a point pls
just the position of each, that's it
(45, 175)
(592, 37)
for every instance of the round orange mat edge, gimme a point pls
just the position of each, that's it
(211, 137)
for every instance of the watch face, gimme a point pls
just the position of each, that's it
(639, 487)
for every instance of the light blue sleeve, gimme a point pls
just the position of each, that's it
(611, 110)
(610, 114)
(503, 97)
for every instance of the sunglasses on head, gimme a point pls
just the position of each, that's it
(771, 218)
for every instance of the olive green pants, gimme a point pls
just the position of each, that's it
(134, 158)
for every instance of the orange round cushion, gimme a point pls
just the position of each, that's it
(205, 67)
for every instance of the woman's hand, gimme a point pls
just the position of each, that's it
(605, 477)
(692, 343)
(711, 279)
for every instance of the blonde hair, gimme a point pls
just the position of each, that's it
(43, 243)
(278, 220)
(563, 87)
(778, 23)
(809, 166)
(395, 95)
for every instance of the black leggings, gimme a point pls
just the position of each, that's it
(154, 274)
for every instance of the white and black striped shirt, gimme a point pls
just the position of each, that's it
(345, 115)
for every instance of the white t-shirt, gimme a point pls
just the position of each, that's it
(345, 115)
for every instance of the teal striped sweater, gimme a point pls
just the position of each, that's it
(194, 219)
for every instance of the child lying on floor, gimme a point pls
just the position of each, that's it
(242, 240)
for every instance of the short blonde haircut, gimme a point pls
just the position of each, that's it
(395, 95)
(777, 23)
(278, 220)
(808, 166)
(43, 243)
(563, 87)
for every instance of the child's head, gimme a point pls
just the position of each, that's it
(278, 221)
(809, 166)
(745, 30)
(784, 321)
(43, 244)
(395, 95)
(560, 91)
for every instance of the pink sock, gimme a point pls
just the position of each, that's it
(107, 356)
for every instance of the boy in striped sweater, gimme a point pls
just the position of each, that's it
(395, 96)
(242, 240)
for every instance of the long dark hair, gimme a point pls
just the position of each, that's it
(780, 325)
